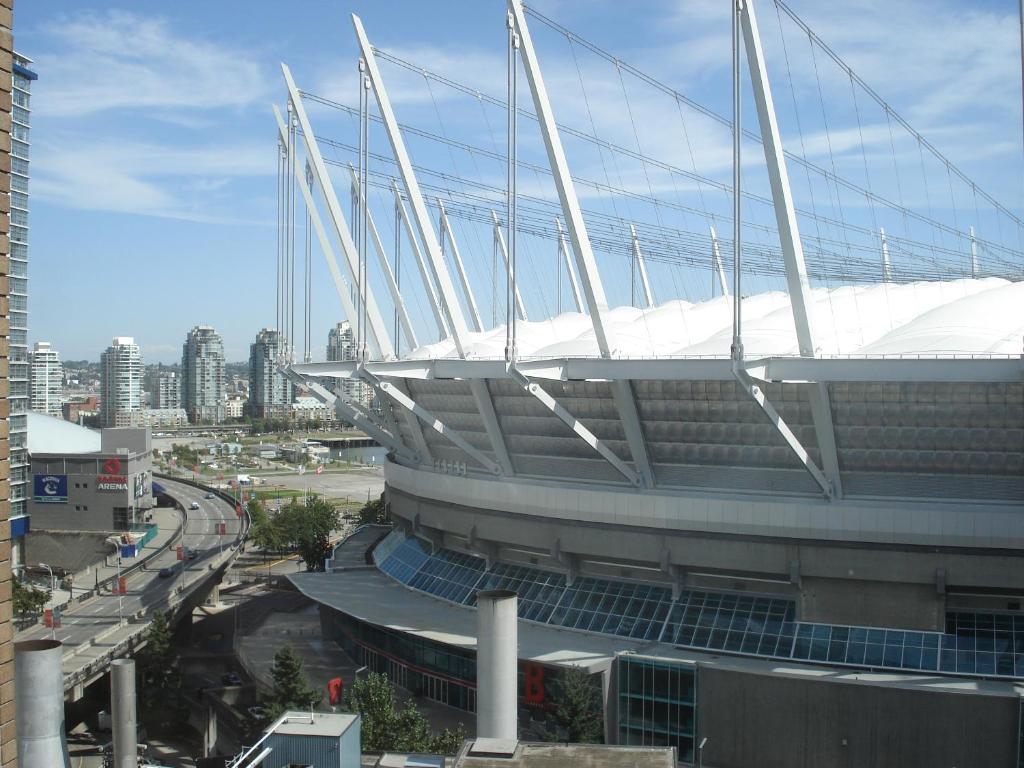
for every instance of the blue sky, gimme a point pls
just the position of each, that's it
(153, 192)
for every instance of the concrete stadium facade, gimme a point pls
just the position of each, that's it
(926, 530)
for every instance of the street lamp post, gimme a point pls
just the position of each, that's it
(120, 591)
(53, 584)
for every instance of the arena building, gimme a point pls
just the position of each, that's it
(777, 528)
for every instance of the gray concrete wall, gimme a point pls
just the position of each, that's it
(875, 604)
(87, 507)
(842, 583)
(754, 720)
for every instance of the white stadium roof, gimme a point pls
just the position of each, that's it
(49, 435)
(931, 319)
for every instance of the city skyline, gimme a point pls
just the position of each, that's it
(179, 183)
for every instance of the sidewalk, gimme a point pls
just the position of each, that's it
(169, 523)
(322, 660)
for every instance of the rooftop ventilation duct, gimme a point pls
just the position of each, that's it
(39, 703)
(497, 665)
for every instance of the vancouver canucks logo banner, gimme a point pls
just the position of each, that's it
(50, 489)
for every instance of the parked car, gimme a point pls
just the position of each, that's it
(230, 678)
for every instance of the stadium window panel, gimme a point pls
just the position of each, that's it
(973, 643)
(874, 655)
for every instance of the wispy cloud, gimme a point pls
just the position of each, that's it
(144, 178)
(121, 59)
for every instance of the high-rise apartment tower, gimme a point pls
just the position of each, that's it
(202, 375)
(47, 379)
(121, 383)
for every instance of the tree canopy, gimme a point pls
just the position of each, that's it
(576, 707)
(304, 526)
(27, 598)
(291, 688)
(160, 696)
(388, 726)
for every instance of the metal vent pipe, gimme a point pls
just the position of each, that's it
(122, 710)
(497, 661)
(39, 703)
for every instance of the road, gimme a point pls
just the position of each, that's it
(85, 620)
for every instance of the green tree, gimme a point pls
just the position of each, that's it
(264, 531)
(575, 697)
(291, 688)
(374, 512)
(386, 726)
(306, 526)
(160, 698)
(27, 598)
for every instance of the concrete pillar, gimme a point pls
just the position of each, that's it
(210, 731)
(497, 661)
(39, 703)
(123, 716)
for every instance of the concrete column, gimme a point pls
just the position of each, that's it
(122, 709)
(210, 731)
(497, 661)
(39, 703)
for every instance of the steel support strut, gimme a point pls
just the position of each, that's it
(575, 425)
(325, 245)
(520, 307)
(428, 418)
(351, 413)
(376, 321)
(446, 289)
(389, 275)
(428, 281)
(593, 289)
(467, 289)
(792, 250)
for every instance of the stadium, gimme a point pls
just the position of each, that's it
(776, 527)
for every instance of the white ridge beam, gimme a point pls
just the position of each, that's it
(340, 285)
(467, 290)
(348, 247)
(520, 307)
(428, 281)
(446, 289)
(389, 276)
(563, 249)
(644, 282)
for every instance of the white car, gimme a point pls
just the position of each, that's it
(194, 505)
